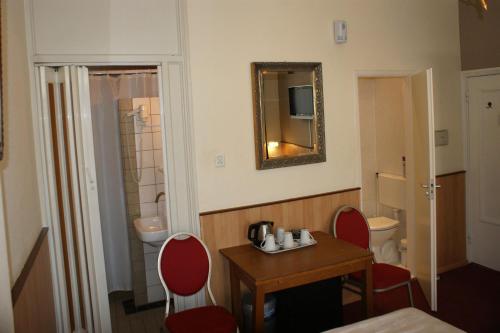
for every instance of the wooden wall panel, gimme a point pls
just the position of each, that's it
(229, 228)
(32, 293)
(451, 228)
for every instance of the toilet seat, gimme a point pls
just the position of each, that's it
(382, 223)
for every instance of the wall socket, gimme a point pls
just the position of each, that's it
(441, 138)
(220, 160)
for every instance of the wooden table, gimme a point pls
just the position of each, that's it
(265, 273)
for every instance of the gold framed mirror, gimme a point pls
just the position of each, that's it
(288, 114)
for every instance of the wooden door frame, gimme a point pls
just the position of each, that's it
(179, 219)
(177, 128)
(404, 74)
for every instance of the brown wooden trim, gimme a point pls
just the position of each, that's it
(59, 176)
(451, 173)
(450, 267)
(119, 68)
(278, 202)
(21, 280)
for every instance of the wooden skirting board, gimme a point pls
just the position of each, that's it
(221, 229)
(32, 293)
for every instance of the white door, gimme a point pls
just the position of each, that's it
(484, 170)
(65, 107)
(425, 185)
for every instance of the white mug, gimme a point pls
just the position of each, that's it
(305, 237)
(288, 240)
(268, 244)
(280, 235)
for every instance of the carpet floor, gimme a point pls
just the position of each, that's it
(468, 298)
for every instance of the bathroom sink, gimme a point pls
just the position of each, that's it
(151, 230)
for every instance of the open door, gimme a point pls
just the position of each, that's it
(425, 185)
(81, 283)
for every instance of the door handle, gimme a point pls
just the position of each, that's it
(432, 185)
(427, 192)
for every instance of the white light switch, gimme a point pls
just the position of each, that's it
(220, 160)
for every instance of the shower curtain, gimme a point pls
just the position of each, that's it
(105, 91)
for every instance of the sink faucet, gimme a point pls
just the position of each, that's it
(158, 196)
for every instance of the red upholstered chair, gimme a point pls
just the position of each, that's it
(184, 266)
(351, 225)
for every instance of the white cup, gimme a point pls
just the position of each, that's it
(305, 237)
(288, 240)
(269, 243)
(280, 235)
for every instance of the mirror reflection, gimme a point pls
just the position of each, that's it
(288, 107)
(288, 102)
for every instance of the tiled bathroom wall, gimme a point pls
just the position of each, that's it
(144, 179)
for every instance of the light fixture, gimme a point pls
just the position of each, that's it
(484, 4)
(273, 144)
(480, 5)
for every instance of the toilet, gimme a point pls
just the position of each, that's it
(391, 193)
(381, 231)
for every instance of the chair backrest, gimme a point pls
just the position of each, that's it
(184, 265)
(350, 224)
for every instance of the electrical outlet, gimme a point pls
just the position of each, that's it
(220, 160)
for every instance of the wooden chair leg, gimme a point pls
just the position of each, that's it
(362, 289)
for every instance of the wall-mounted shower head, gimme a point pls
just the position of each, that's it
(136, 112)
(137, 115)
(138, 123)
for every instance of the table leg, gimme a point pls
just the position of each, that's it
(258, 310)
(368, 297)
(235, 295)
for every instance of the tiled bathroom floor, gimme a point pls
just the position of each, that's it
(148, 321)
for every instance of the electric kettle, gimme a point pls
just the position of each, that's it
(257, 231)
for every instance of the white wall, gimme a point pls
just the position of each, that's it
(21, 201)
(390, 110)
(227, 35)
(382, 111)
(105, 27)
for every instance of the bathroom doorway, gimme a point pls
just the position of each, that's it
(104, 143)
(398, 173)
(128, 149)
(384, 112)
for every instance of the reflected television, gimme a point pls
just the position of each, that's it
(301, 101)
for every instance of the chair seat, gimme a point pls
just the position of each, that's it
(206, 319)
(385, 275)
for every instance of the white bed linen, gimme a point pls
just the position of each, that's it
(410, 320)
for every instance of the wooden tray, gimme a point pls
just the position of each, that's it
(281, 249)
